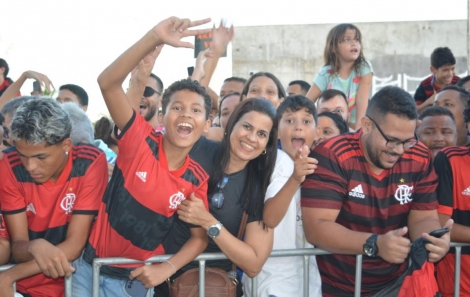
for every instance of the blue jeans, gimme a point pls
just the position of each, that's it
(82, 282)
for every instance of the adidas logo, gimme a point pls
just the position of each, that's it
(142, 175)
(466, 192)
(31, 208)
(357, 192)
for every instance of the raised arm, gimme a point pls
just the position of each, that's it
(13, 90)
(169, 31)
(362, 98)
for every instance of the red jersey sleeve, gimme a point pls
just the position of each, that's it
(131, 137)
(327, 187)
(11, 197)
(92, 187)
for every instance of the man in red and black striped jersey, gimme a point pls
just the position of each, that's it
(453, 193)
(50, 192)
(443, 74)
(373, 192)
(152, 176)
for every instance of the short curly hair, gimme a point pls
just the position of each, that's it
(466, 112)
(190, 85)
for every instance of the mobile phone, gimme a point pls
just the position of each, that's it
(190, 70)
(36, 86)
(439, 232)
(134, 288)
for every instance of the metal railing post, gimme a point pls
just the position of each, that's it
(254, 287)
(68, 286)
(14, 287)
(306, 283)
(96, 278)
(458, 254)
(357, 285)
(202, 278)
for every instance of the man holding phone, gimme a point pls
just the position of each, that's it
(373, 193)
(453, 192)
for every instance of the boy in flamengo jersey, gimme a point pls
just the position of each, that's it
(50, 192)
(152, 176)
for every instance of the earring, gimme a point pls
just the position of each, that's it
(66, 153)
(263, 152)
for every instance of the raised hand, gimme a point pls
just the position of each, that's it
(198, 72)
(393, 246)
(172, 30)
(141, 72)
(194, 212)
(438, 247)
(221, 37)
(50, 259)
(303, 165)
(43, 80)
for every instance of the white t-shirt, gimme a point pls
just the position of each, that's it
(283, 277)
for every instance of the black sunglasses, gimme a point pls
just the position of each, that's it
(149, 92)
(218, 198)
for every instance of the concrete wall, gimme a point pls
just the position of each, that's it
(296, 51)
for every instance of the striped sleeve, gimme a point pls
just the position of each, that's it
(425, 197)
(445, 185)
(327, 186)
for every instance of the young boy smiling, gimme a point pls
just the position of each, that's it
(152, 176)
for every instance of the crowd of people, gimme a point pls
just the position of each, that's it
(183, 170)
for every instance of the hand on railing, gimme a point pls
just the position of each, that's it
(152, 275)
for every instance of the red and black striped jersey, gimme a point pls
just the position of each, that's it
(50, 206)
(452, 166)
(427, 88)
(367, 202)
(140, 203)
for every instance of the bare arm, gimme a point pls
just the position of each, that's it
(152, 275)
(13, 90)
(362, 98)
(460, 233)
(428, 102)
(313, 93)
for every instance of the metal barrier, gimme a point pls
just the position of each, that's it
(306, 253)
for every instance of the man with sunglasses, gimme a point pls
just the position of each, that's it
(373, 193)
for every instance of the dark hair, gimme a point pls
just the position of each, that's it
(237, 79)
(463, 81)
(11, 106)
(280, 89)
(331, 93)
(2, 120)
(466, 112)
(463, 94)
(225, 97)
(159, 82)
(77, 90)
(335, 37)
(189, 85)
(304, 86)
(260, 169)
(433, 111)
(4, 64)
(295, 103)
(392, 100)
(442, 56)
(338, 120)
(103, 129)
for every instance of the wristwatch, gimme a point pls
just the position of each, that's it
(214, 230)
(370, 247)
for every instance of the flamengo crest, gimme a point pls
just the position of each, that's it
(403, 194)
(67, 203)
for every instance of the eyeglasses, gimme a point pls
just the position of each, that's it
(218, 198)
(149, 92)
(347, 40)
(395, 143)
